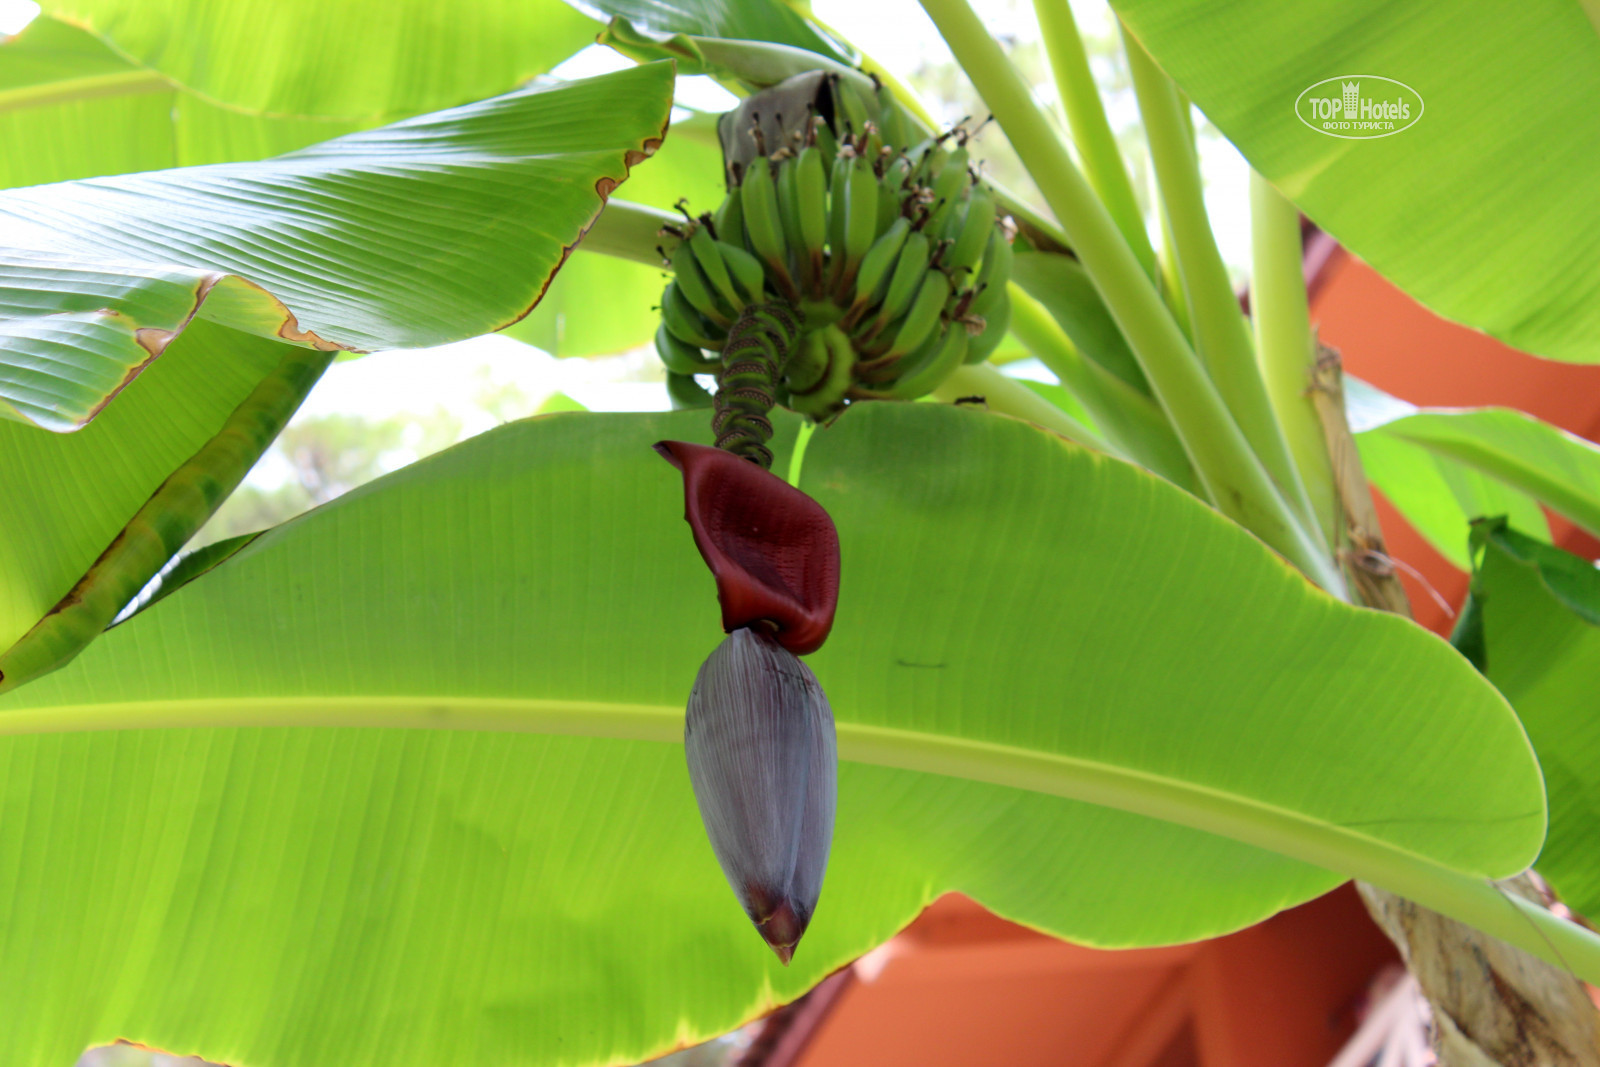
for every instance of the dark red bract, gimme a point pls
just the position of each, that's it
(772, 549)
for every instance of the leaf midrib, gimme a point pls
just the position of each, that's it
(122, 83)
(1468, 898)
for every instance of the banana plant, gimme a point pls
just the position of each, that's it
(402, 780)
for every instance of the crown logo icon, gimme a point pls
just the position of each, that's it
(1352, 97)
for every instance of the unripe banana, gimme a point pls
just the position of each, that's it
(931, 364)
(685, 323)
(972, 238)
(891, 120)
(747, 273)
(826, 390)
(869, 144)
(825, 140)
(811, 191)
(728, 219)
(996, 268)
(789, 208)
(686, 393)
(838, 200)
(692, 284)
(762, 226)
(808, 363)
(889, 200)
(897, 175)
(708, 257)
(909, 268)
(851, 107)
(996, 323)
(921, 320)
(874, 271)
(952, 176)
(861, 220)
(681, 357)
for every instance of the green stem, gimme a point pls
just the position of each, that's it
(1229, 471)
(1131, 420)
(1171, 284)
(1285, 346)
(1310, 840)
(1220, 335)
(1097, 146)
(631, 231)
(166, 522)
(1010, 397)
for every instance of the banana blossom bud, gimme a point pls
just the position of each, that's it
(759, 733)
(764, 764)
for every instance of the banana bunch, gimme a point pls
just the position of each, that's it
(893, 257)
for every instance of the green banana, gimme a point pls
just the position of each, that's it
(909, 268)
(686, 393)
(728, 219)
(811, 194)
(826, 390)
(972, 237)
(838, 200)
(708, 257)
(888, 205)
(747, 273)
(921, 320)
(825, 139)
(930, 364)
(789, 206)
(891, 120)
(851, 108)
(992, 278)
(680, 356)
(996, 323)
(951, 177)
(762, 225)
(876, 263)
(685, 323)
(691, 282)
(996, 268)
(860, 220)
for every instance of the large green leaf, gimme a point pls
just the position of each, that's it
(748, 20)
(71, 106)
(58, 85)
(67, 495)
(1438, 495)
(1016, 612)
(426, 231)
(1484, 209)
(356, 59)
(600, 304)
(1539, 612)
(1445, 467)
(434, 229)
